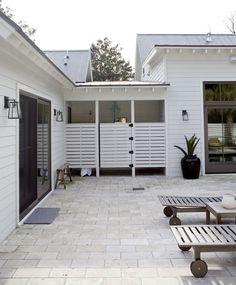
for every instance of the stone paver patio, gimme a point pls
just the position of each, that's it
(106, 233)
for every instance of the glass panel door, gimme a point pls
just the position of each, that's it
(221, 140)
(43, 148)
(27, 153)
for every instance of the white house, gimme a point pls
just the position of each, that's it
(110, 126)
(201, 71)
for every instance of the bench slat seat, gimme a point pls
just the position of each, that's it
(184, 204)
(204, 238)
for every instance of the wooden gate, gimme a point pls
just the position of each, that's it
(115, 145)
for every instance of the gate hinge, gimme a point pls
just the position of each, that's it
(131, 152)
(131, 165)
(131, 138)
(131, 125)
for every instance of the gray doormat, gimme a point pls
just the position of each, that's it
(42, 216)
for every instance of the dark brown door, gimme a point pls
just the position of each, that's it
(28, 152)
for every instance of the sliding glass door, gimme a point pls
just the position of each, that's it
(43, 149)
(28, 152)
(220, 127)
(34, 152)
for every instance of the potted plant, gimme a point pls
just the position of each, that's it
(190, 163)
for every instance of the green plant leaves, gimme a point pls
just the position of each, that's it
(191, 144)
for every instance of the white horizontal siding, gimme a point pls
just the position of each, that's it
(186, 74)
(7, 161)
(14, 73)
(157, 72)
(81, 140)
(58, 145)
(149, 145)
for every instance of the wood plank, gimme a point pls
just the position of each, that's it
(177, 235)
(198, 234)
(220, 237)
(191, 235)
(184, 236)
(232, 231)
(211, 234)
(205, 234)
(224, 232)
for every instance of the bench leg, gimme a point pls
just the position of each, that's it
(218, 219)
(208, 218)
(197, 253)
(57, 179)
(63, 179)
(69, 173)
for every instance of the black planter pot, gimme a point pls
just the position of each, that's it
(190, 167)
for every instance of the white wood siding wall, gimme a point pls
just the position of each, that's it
(156, 71)
(7, 161)
(18, 72)
(186, 74)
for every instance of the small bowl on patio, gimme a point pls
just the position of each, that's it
(228, 201)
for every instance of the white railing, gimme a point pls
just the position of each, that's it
(81, 145)
(149, 145)
(115, 145)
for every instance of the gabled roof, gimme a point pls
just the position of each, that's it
(76, 64)
(29, 44)
(146, 42)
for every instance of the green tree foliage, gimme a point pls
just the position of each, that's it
(108, 63)
(24, 26)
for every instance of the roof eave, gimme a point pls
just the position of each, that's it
(32, 45)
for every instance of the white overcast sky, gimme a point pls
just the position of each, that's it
(75, 24)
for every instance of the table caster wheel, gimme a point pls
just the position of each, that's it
(174, 221)
(168, 211)
(184, 248)
(198, 268)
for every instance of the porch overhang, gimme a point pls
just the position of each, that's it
(165, 49)
(125, 85)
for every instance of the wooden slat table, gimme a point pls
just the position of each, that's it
(219, 212)
(204, 238)
(184, 204)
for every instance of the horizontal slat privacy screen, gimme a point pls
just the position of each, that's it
(149, 144)
(115, 145)
(81, 145)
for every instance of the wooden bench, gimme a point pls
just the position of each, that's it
(204, 238)
(175, 204)
(62, 173)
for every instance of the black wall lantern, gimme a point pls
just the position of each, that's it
(59, 116)
(13, 106)
(185, 115)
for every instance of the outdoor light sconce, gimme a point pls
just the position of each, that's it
(59, 116)
(185, 115)
(14, 111)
